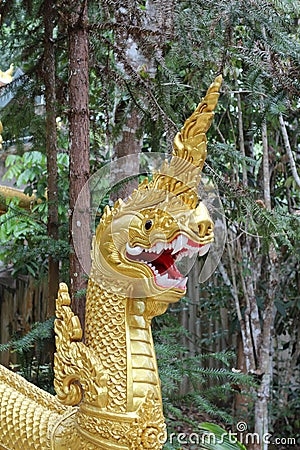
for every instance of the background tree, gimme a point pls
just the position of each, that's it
(49, 75)
(76, 18)
(250, 305)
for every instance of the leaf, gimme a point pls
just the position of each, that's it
(281, 308)
(30, 270)
(11, 160)
(25, 177)
(40, 330)
(218, 439)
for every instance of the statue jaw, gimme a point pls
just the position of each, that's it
(137, 248)
(160, 260)
(150, 272)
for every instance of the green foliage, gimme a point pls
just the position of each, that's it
(255, 45)
(15, 234)
(39, 332)
(215, 438)
(34, 360)
(25, 244)
(30, 170)
(176, 364)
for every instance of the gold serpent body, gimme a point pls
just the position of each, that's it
(107, 388)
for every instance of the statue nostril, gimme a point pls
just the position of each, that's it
(210, 229)
(201, 229)
(205, 228)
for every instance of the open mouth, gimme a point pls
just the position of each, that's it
(162, 256)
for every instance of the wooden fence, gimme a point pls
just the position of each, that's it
(23, 301)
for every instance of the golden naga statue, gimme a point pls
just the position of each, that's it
(6, 77)
(108, 388)
(24, 201)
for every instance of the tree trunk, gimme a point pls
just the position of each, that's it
(288, 149)
(266, 166)
(51, 150)
(265, 359)
(79, 142)
(241, 139)
(128, 148)
(240, 405)
(155, 24)
(264, 353)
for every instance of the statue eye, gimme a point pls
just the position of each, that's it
(148, 224)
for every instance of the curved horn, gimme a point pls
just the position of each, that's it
(190, 142)
(182, 175)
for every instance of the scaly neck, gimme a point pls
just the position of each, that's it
(119, 332)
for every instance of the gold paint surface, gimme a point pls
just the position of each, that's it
(24, 201)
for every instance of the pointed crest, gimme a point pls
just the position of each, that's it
(190, 142)
(182, 175)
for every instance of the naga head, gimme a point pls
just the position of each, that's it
(140, 241)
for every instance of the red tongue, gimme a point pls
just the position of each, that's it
(165, 263)
(174, 273)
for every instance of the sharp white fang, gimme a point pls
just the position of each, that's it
(159, 247)
(134, 251)
(184, 240)
(183, 283)
(174, 245)
(167, 282)
(203, 250)
(190, 252)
